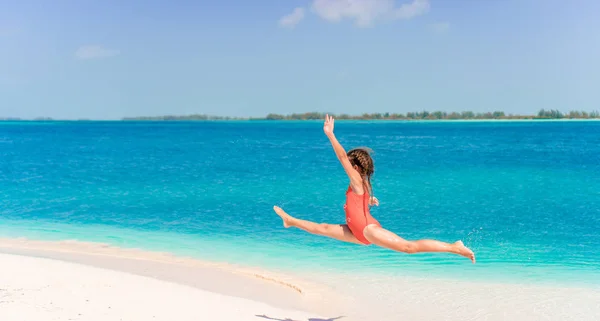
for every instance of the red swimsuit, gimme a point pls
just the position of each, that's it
(357, 214)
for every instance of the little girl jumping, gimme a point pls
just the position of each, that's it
(361, 227)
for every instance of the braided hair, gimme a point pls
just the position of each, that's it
(361, 157)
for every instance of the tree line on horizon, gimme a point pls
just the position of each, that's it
(441, 115)
(186, 117)
(419, 115)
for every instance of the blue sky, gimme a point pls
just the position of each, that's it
(106, 59)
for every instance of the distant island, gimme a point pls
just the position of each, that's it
(420, 115)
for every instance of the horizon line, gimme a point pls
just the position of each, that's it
(411, 116)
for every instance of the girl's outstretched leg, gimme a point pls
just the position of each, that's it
(337, 231)
(384, 238)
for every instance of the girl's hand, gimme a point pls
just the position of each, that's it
(328, 126)
(373, 201)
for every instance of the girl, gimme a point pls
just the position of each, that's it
(361, 227)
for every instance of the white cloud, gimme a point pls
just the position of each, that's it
(366, 12)
(292, 19)
(440, 27)
(411, 10)
(95, 51)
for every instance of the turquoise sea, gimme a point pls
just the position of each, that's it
(525, 196)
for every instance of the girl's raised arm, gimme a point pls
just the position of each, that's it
(353, 174)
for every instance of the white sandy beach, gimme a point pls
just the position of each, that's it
(33, 289)
(69, 280)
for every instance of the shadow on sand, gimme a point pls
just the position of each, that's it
(288, 319)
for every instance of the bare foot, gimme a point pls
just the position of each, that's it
(287, 219)
(464, 251)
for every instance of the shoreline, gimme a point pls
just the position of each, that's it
(281, 265)
(247, 283)
(66, 248)
(34, 288)
(356, 297)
